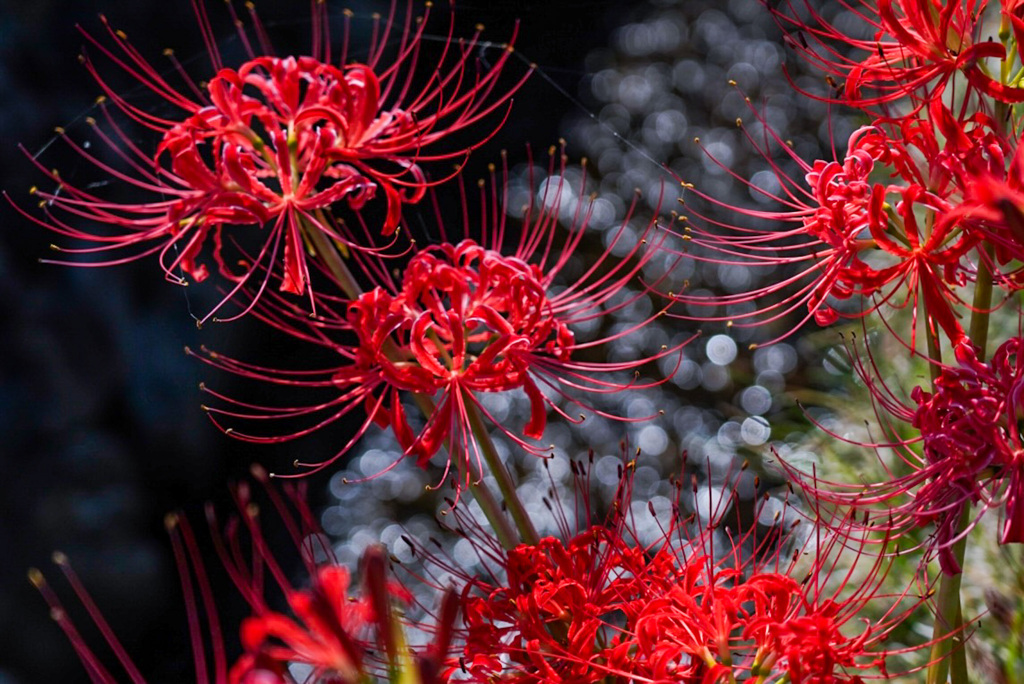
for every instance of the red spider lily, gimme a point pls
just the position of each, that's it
(894, 244)
(275, 144)
(767, 616)
(971, 422)
(324, 636)
(331, 632)
(472, 320)
(342, 638)
(549, 616)
(553, 612)
(918, 48)
(706, 601)
(763, 625)
(987, 168)
(972, 453)
(484, 314)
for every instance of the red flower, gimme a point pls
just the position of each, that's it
(587, 612)
(851, 236)
(274, 144)
(547, 618)
(917, 48)
(986, 167)
(560, 611)
(751, 618)
(707, 600)
(973, 453)
(478, 315)
(331, 632)
(344, 639)
(327, 635)
(971, 432)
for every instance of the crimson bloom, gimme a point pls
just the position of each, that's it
(274, 145)
(331, 631)
(891, 224)
(917, 48)
(341, 636)
(972, 453)
(706, 600)
(487, 313)
(987, 168)
(764, 624)
(545, 623)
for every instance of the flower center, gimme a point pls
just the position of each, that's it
(463, 313)
(281, 131)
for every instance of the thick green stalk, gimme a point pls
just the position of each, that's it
(934, 350)
(949, 653)
(488, 504)
(508, 488)
(982, 301)
(931, 334)
(507, 536)
(328, 253)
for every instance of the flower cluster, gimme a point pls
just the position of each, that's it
(920, 214)
(969, 455)
(597, 604)
(970, 429)
(480, 312)
(915, 224)
(918, 49)
(294, 179)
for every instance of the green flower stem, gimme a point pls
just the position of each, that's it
(931, 334)
(934, 350)
(949, 653)
(507, 536)
(328, 253)
(503, 529)
(949, 617)
(982, 301)
(508, 488)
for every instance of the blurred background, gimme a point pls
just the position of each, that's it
(101, 432)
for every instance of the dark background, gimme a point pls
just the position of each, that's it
(100, 429)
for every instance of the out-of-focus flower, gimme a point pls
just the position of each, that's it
(970, 428)
(972, 454)
(325, 634)
(338, 637)
(331, 631)
(487, 313)
(917, 48)
(274, 145)
(711, 599)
